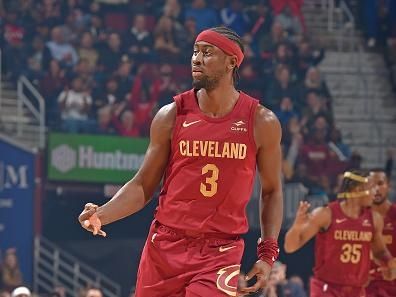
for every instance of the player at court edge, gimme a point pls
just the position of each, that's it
(346, 231)
(378, 286)
(206, 146)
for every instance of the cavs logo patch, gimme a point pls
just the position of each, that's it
(226, 275)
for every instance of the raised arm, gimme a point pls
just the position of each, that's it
(306, 225)
(136, 193)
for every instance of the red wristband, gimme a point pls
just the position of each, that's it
(268, 250)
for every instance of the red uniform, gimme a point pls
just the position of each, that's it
(342, 255)
(378, 287)
(193, 248)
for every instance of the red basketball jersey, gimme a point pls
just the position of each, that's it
(211, 169)
(389, 236)
(342, 252)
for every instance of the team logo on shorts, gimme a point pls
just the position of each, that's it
(226, 274)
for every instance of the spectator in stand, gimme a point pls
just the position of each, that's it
(168, 87)
(174, 10)
(294, 5)
(279, 88)
(204, 16)
(94, 292)
(355, 160)
(112, 54)
(50, 12)
(75, 105)
(282, 55)
(261, 20)
(338, 146)
(109, 96)
(37, 60)
(144, 97)
(250, 80)
(314, 82)
(190, 29)
(166, 39)
(21, 292)
(307, 57)
(50, 87)
(285, 111)
(268, 43)
(315, 154)
(104, 118)
(42, 29)
(87, 51)
(61, 50)
(10, 273)
(124, 77)
(290, 23)
(139, 40)
(97, 29)
(84, 72)
(291, 142)
(235, 18)
(124, 121)
(315, 106)
(14, 35)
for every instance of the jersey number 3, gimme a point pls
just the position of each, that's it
(351, 253)
(209, 187)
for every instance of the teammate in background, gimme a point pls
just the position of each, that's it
(378, 287)
(206, 145)
(346, 231)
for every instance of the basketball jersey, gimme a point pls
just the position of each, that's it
(211, 169)
(389, 237)
(342, 252)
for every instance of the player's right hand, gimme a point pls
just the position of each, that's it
(302, 214)
(90, 221)
(389, 272)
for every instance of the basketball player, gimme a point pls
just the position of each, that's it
(346, 231)
(206, 146)
(378, 286)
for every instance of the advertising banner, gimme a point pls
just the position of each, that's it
(17, 186)
(94, 158)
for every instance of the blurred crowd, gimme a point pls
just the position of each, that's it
(106, 67)
(12, 283)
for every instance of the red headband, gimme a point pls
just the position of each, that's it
(226, 45)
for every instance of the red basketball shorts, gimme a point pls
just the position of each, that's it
(381, 289)
(319, 288)
(175, 265)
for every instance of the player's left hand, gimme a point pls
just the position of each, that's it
(261, 270)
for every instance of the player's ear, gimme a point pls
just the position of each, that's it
(233, 63)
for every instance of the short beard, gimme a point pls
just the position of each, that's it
(206, 83)
(379, 202)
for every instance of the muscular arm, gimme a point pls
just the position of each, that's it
(306, 225)
(136, 193)
(267, 135)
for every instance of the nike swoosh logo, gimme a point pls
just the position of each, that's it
(223, 249)
(185, 124)
(340, 221)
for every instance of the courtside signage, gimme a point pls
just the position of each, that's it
(93, 158)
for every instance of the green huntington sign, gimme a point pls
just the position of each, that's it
(92, 158)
